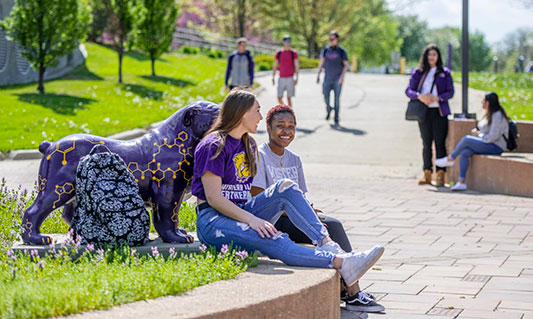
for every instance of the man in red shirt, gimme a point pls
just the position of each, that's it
(287, 61)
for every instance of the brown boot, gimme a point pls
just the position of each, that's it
(440, 178)
(426, 179)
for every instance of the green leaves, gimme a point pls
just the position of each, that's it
(155, 30)
(46, 30)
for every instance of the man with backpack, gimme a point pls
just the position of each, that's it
(287, 61)
(240, 67)
(334, 60)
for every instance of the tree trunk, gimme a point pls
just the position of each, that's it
(120, 53)
(310, 48)
(40, 87)
(241, 17)
(153, 66)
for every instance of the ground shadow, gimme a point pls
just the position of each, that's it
(169, 81)
(305, 130)
(347, 130)
(144, 91)
(58, 103)
(81, 72)
(449, 191)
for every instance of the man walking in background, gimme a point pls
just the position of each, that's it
(240, 67)
(287, 61)
(334, 60)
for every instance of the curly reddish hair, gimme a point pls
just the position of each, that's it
(277, 110)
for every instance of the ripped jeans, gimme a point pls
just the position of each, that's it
(216, 229)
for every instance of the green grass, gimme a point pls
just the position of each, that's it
(34, 287)
(514, 90)
(89, 99)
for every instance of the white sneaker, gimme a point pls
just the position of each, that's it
(444, 162)
(459, 187)
(355, 265)
(332, 247)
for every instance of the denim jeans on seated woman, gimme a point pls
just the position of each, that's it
(216, 229)
(470, 145)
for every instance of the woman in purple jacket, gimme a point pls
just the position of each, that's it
(435, 126)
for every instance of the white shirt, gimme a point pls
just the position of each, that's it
(426, 86)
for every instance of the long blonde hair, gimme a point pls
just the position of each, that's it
(235, 105)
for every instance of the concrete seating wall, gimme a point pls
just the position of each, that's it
(510, 173)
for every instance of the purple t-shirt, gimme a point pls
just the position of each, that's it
(230, 165)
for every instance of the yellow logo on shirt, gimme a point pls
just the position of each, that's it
(242, 172)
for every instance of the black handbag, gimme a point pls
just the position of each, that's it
(416, 110)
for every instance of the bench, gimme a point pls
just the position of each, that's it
(511, 173)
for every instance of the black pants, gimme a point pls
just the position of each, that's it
(434, 128)
(334, 226)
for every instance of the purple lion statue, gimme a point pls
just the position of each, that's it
(161, 161)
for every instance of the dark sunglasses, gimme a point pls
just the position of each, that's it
(332, 39)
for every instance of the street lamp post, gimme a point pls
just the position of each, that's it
(495, 59)
(464, 67)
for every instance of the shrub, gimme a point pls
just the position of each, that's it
(215, 53)
(265, 62)
(189, 49)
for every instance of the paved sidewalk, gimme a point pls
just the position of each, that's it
(448, 255)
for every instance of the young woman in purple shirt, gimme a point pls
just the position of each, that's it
(224, 167)
(434, 129)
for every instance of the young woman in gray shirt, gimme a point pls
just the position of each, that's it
(489, 138)
(276, 163)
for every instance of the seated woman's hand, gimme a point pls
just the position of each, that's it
(262, 227)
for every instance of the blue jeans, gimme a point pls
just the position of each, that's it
(470, 145)
(334, 85)
(215, 229)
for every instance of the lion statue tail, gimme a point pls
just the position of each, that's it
(44, 146)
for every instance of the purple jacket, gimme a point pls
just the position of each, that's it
(443, 82)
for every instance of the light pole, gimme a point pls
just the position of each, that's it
(464, 66)
(495, 59)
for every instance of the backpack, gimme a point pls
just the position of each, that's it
(512, 140)
(109, 208)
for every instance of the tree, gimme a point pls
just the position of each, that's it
(155, 30)
(46, 30)
(365, 26)
(101, 12)
(233, 17)
(122, 22)
(372, 36)
(480, 56)
(413, 32)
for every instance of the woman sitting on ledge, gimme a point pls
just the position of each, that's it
(276, 162)
(489, 138)
(224, 167)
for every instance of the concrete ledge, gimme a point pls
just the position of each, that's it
(24, 154)
(145, 249)
(507, 174)
(270, 290)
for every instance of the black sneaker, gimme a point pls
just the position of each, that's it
(363, 302)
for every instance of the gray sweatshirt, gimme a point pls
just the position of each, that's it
(494, 133)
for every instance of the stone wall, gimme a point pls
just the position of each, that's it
(15, 69)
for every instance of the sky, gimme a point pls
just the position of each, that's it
(495, 18)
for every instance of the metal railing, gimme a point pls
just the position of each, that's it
(186, 36)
